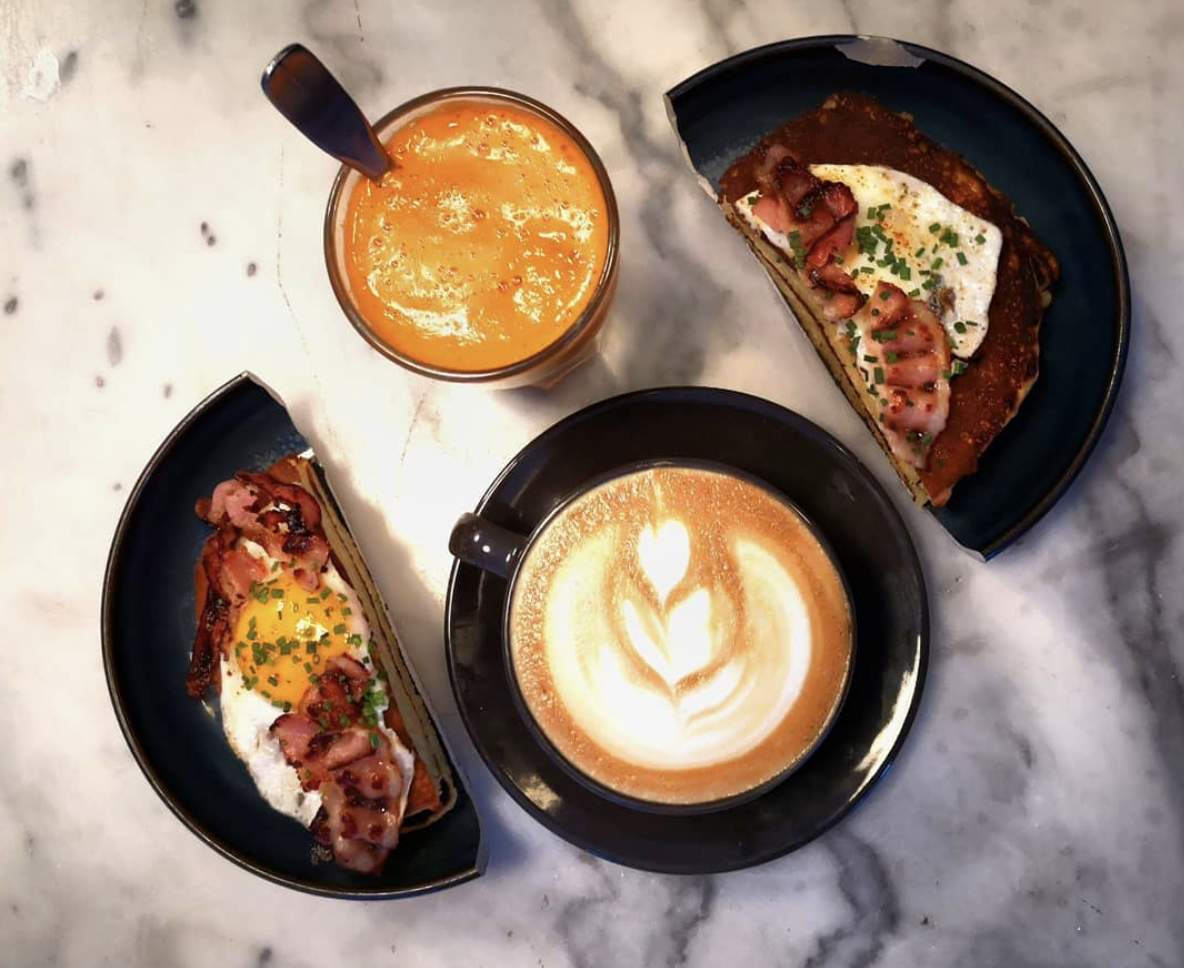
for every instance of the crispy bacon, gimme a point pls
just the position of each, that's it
(222, 579)
(351, 764)
(284, 519)
(841, 298)
(335, 697)
(818, 216)
(777, 159)
(295, 734)
(915, 364)
(812, 222)
(359, 831)
(228, 574)
(213, 626)
(239, 572)
(838, 199)
(231, 500)
(339, 749)
(285, 495)
(315, 751)
(892, 305)
(361, 786)
(835, 242)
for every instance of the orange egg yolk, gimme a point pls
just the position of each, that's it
(285, 635)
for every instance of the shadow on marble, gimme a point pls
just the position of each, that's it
(592, 381)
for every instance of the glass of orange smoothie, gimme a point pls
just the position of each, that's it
(488, 252)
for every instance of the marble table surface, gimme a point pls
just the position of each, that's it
(161, 233)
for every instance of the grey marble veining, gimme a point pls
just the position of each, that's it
(162, 233)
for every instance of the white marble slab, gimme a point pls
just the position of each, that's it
(1036, 816)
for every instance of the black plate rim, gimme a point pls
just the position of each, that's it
(188, 820)
(783, 415)
(1101, 207)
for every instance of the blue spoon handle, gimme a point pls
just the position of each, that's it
(304, 92)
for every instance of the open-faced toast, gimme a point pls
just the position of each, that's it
(884, 289)
(315, 694)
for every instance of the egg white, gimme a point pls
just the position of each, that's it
(247, 717)
(923, 224)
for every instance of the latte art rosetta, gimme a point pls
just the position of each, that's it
(679, 635)
(668, 656)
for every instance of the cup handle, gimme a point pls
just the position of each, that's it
(486, 545)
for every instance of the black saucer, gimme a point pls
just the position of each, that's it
(868, 537)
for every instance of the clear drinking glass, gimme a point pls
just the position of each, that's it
(575, 345)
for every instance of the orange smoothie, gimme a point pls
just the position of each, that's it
(484, 242)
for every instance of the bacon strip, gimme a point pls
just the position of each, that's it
(351, 764)
(284, 519)
(225, 573)
(819, 218)
(910, 341)
(840, 297)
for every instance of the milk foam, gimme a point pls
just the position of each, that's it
(670, 666)
(679, 635)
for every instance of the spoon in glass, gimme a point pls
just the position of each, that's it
(304, 92)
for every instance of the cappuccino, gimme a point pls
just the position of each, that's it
(679, 635)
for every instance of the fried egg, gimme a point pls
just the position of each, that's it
(283, 637)
(910, 235)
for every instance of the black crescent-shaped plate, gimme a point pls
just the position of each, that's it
(148, 624)
(870, 541)
(722, 111)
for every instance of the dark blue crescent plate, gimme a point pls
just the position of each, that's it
(873, 549)
(148, 625)
(722, 111)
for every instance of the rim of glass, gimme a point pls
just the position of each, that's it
(600, 294)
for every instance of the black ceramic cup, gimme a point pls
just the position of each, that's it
(500, 551)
